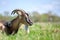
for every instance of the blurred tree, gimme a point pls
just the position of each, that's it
(45, 17)
(6, 13)
(7, 16)
(1, 16)
(50, 17)
(35, 16)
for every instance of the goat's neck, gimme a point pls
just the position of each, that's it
(15, 22)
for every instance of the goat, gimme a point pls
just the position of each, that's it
(13, 26)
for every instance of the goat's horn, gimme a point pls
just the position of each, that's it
(13, 12)
(16, 11)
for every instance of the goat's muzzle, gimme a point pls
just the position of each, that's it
(29, 21)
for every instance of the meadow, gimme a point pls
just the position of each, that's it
(38, 31)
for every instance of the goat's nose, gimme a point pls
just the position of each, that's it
(31, 23)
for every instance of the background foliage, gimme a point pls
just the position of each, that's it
(46, 27)
(35, 16)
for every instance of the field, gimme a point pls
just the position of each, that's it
(38, 31)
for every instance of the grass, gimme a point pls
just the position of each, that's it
(38, 31)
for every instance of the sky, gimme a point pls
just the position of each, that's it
(41, 6)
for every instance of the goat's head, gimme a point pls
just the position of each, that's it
(23, 16)
(27, 19)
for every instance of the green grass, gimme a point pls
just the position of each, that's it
(42, 31)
